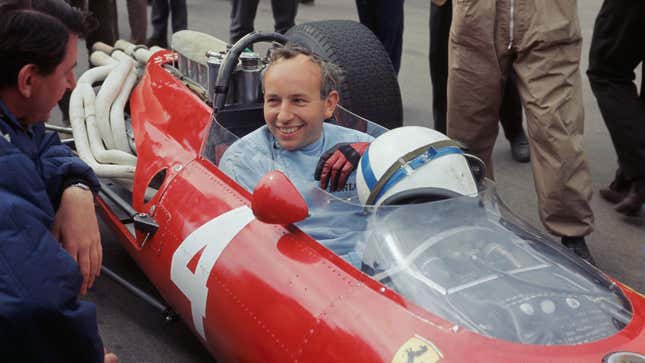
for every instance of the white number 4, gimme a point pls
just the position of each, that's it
(215, 235)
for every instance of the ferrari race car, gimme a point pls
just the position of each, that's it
(454, 280)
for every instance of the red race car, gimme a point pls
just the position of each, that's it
(455, 280)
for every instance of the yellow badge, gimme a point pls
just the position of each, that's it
(417, 350)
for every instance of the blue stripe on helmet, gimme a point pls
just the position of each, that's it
(416, 163)
(368, 173)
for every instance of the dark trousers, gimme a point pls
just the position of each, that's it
(510, 114)
(138, 19)
(243, 16)
(160, 11)
(385, 19)
(107, 32)
(617, 48)
(108, 29)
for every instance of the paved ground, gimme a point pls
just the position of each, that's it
(137, 333)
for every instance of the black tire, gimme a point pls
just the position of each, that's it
(370, 88)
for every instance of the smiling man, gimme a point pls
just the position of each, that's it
(300, 93)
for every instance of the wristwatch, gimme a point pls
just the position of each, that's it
(81, 185)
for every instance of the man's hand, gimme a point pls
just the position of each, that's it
(110, 357)
(76, 228)
(337, 163)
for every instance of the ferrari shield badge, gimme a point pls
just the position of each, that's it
(624, 357)
(417, 350)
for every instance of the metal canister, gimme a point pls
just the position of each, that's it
(247, 79)
(214, 62)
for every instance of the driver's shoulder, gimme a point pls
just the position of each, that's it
(257, 141)
(337, 134)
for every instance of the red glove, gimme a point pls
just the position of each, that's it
(337, 163)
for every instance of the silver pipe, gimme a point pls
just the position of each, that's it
(135, 290)
(62, 129)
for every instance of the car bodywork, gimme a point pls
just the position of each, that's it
(254, 291)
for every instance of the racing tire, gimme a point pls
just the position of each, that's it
(370, 87)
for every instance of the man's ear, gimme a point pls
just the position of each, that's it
(26, 78)
(330, 103)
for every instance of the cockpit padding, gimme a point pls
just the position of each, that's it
(241, 119)
(420, 195)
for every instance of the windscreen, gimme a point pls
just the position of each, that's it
(470, 261)
(220, 138)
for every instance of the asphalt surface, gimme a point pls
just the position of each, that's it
(137, 332)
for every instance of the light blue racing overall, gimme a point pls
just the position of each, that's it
(248, 159)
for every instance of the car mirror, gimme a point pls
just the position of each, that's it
(277, 201)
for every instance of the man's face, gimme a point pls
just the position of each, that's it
(293, 109)
(47, 90)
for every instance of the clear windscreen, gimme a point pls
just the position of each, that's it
(470, 261)
(220, 138)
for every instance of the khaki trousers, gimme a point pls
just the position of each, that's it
(541, 40)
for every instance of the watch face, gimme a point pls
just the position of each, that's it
(81, 185)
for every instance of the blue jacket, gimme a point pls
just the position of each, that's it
(41, 317)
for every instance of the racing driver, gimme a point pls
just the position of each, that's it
(300, 93)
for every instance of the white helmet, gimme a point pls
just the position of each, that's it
(413, 159)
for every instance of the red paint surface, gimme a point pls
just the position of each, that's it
(276, 295)
(277, 201)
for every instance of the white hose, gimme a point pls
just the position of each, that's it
(96, 74)
(108, 92)
(117, 118)
(121, 56)
(116, 115)
(100, 46)
(88, 97)
(99, 58)
(81, 108)
(125, 46)
(139, 53)
(84, 94)
(77, 119)
(98, 122)
(142, 55)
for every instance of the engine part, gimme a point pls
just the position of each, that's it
(229, 64)
(246, 79)
(192, 48)
(214, 63)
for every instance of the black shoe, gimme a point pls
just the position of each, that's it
(578, 246)
(617, 190)
(308, 2)
(160, 42)
(633, 202)
(520, 148)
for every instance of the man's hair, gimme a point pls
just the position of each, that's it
(35, 32)
(331, 75)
